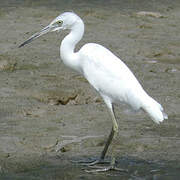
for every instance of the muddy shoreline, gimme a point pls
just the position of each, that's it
(46, 106)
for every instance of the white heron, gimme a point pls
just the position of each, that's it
(110, 77)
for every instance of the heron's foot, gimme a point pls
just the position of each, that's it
(105, 169)
(97, 161)
(91, 162)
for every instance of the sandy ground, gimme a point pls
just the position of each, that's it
(46, 107)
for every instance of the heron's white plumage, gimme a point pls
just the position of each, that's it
(107, 73)
(114, 80)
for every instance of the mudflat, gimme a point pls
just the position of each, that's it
(49, 114)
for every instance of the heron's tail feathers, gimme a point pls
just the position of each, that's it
(155, 110)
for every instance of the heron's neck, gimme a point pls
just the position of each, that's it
(69, 57)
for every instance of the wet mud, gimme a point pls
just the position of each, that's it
(49, 114)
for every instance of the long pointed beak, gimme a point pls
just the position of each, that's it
(36, 35)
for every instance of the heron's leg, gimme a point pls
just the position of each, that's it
(100, 160)
(109, 140)
(103, 153)
(113, 134)
(114, 131)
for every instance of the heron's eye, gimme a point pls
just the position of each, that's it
(59, 22)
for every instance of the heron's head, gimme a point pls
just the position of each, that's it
(64, 21)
